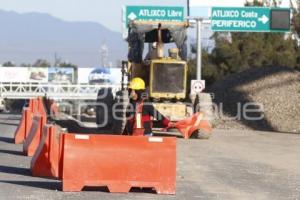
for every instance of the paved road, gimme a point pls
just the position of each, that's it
(231, 165)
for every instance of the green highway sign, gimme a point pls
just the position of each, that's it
(248, 19)
(154, 13)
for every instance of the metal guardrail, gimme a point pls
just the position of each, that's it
(53, 91)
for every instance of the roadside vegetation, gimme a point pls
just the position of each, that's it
(236, 52)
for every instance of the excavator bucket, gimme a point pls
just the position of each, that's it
(195, 126)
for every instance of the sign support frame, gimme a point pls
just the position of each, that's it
(199, 48)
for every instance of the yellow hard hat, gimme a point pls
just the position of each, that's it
(137, 84)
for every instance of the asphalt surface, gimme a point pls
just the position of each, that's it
(235, 164)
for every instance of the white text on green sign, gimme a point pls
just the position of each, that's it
(154, 13)
(250, 19)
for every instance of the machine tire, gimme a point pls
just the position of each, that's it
(200, 134)
(105, 97)
(205, 105)
(122, 98)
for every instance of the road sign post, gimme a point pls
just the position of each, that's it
(199, 50)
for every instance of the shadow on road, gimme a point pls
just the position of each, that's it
(95, 188)
(57, 185)
(10, 118)
(18, 153)
(7, 140)
(159, 134)
(9, 124)
(50, 185)
(105, 189)
(15, 170)
(12, 115)
(142, 190)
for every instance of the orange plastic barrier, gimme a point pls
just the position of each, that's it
(54, 109)
(119, 162)
(196, 122)
(46, 160)
(36, 108)
(40, 107)
(33, 139)
(33, 105)
(24, 126)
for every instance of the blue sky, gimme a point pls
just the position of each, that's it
(106, 12)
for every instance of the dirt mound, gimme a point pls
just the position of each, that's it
(273, 93)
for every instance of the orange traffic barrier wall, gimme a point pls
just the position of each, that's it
(24, 125)
(54, 109)
(119, 162)
(46, 160)
(35, 107)
(33, 139)
(40, 106)
(196, 122)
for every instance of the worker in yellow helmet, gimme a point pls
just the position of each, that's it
(140, 111)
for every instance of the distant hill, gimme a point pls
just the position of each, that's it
(27, 37)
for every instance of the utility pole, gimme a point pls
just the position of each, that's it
(57, 60)
(188, 8)
(199, 45)
(196, 96)
(199, 49)
(198, 21)
(104, 55)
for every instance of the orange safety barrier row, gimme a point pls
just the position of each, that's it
(24, 126)
(41, 106)
(54, 109)
(26, 121)
(119, 162)
(194, 123)
(34, 136)
(46, 160)
(33, 105)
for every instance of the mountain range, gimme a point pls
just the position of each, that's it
(24, 38)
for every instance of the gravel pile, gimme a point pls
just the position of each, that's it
(275, 91)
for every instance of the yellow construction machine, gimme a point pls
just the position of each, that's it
(165, 76)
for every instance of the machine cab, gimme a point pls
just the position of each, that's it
(164, 71)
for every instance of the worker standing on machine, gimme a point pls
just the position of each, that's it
(140, 112)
